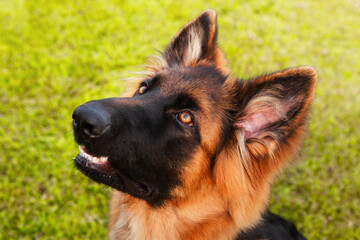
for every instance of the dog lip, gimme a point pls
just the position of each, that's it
(139, 189)
(90, 164)
(100, 170)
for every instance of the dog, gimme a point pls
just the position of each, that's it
(193, 152)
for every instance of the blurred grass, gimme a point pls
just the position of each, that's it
(55, 55)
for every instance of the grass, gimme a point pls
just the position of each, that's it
(55, 55)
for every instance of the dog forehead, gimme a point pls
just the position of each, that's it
(190, 80)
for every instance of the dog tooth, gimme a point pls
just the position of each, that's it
(90, 158)
(81, 149)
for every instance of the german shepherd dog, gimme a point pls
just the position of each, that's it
(193, 152)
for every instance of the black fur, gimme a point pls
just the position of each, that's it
(147, 145)
(273, 227)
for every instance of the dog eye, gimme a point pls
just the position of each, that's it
(186, 118)
(142, 89)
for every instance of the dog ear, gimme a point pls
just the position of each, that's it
(273, 110)
(195, 43)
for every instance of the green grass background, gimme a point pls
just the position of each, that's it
(55, 55)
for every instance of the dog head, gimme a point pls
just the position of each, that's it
(190, 126)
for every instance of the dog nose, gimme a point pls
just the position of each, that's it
(91, 119)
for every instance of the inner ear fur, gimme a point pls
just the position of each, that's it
(274, 106)
(270, 114)
(196, 43)
(273, 111)
(248, 163)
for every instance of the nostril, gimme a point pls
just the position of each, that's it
(91, 131)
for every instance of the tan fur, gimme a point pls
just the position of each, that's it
(209, 205)
(214, 203)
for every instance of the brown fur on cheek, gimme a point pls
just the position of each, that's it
(194, 176)
(246, 187)
(245, 199)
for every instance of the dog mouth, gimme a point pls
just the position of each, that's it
(100, 170)
(92, 159)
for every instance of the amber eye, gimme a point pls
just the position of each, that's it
(142, 89)
(186, 118)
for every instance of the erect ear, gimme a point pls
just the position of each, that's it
(273, 110)
(195, 43)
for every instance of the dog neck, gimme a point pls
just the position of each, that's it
(137, 220)
(206, 215)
